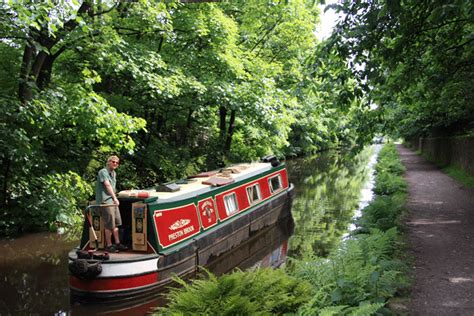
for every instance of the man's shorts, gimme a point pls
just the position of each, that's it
(111, 216)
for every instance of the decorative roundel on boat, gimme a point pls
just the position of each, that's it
(207, 212)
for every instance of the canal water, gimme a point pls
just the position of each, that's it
(330, 190)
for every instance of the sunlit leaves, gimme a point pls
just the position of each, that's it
(416, 60)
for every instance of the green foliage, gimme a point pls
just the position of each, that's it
(413, 60)
(361, 270)
(363, 309)
(388, 184)
(390, 189)
(388, 161)
(257, 292)
(53, 201)
(389, 171)
(383, 212)
(212, 82)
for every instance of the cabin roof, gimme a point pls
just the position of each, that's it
(196, 184)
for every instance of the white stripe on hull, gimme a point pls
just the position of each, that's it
(127, 268)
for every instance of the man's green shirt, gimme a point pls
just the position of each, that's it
(101, 194)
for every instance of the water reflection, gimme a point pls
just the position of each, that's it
(328, 190)
(33, 274)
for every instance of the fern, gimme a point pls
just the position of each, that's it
(332, 310)
(258, 292)
(365, 309)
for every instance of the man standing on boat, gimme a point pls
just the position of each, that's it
(105, 194)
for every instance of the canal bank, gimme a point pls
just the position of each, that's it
(440, 235)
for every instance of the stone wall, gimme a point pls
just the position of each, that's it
(444, 151)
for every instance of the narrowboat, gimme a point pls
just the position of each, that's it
(174, 228)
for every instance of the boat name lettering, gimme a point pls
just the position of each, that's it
(181, 232)
(179, 224)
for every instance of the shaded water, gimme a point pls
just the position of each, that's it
(329, 189)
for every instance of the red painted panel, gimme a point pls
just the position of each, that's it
(113, 284)
(221, 206)
(175, 225)
(241, 192)
(284, 178)
(242, 198)
(264, 188)
(207, 212)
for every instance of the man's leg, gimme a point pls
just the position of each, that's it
(118, 222)
(109, 224)
(116, 235)
(108, 237)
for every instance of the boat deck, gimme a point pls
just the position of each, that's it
(201, 183)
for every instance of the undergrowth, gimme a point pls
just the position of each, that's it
(356, 279)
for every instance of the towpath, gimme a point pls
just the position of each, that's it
(440, 232)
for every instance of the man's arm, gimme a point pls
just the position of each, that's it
(109, 189)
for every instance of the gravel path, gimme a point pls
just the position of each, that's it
(440, 232)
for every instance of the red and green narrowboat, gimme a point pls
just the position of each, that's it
(174, 228)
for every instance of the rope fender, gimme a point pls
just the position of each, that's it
(85, 269)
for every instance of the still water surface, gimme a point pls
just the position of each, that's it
(330, 188)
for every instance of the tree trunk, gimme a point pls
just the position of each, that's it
(6, 162)
(230, 133)
(24, 92)
(187, 128)
(44, 76)
(36, 66)
(222, 125)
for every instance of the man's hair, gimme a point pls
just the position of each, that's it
(112, 157)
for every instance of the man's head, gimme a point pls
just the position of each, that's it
(113, 162)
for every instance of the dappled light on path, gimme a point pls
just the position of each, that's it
(440, 231)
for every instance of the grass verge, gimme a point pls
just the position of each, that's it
(460, 176)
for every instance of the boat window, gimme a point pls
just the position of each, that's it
(230, 202)
(275, 183)
(253, 193)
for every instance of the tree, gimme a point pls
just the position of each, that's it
(57, 122)
(415, 61)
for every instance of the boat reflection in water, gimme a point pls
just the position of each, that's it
(267, 247)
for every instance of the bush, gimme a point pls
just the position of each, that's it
(53, 201)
